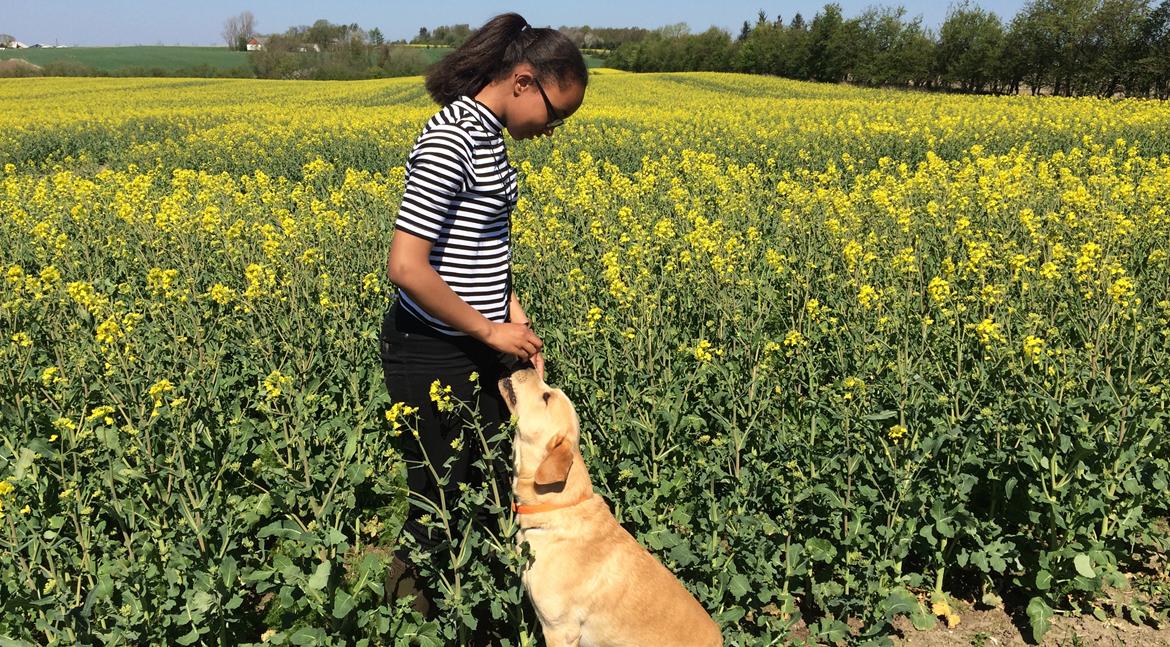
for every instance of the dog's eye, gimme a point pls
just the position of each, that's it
(547, 395)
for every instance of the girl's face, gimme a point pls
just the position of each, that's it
(538, 108)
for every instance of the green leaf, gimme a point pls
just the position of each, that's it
(189, 638)
(821, 550)
(342, 604)
(321, 576)
(1040, 614)
(832, 630)
(350, 444)
(898, 602)
(738, 586)
(1043, 580)
(227, 570)
(731, 615)
(200, 602)
(922, 619)
(1084, 566)
(992, 599)
(307, 636)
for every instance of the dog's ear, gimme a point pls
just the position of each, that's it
(555, 466)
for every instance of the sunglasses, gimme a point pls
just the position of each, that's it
(554, 118)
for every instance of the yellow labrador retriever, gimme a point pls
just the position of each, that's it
(590, 581)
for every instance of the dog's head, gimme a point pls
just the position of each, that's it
(547, 429)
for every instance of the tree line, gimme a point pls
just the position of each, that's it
(585, 37)
(1065, 47)
(325, 50)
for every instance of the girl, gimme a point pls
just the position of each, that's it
(457, 314)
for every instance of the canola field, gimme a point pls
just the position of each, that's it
(840, 355)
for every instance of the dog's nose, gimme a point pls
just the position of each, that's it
(519, 372)
(515, 364)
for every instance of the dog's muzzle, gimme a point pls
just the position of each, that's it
(509, 392)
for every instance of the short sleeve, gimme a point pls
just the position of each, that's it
(437, 171)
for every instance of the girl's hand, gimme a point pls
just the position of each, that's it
(515, 339)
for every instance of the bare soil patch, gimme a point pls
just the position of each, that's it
(995, 628)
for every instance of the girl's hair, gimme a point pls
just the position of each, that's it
(497, 47)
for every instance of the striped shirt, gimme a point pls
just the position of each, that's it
(460, 192)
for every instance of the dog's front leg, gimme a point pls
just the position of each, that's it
(562, 637)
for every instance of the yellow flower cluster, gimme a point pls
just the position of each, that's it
(441, 396)
(5, 490)
(896, 433)
(396, 415)
(274, 384)
(703, 351)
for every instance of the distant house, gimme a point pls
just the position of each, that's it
(17, 45)
(255, 44)
(309, 47)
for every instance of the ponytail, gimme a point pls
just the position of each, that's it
(494, 49)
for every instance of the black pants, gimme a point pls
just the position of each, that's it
(413, 357)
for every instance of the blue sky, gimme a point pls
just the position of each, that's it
(166, 22)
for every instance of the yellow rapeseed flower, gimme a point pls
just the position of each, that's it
(221, 294)
(939, 290)
(274, 384)
(441, 396)
(896, 432)
(1033, 348)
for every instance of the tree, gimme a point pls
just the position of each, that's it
(829, 55)
(376, 37)
(744, 31)
(1115, 44)
(903, 49)
(238, 29)
(676, 30)
(1152, 69)
(1030, 48)
(323, 33)
(969, 47)
(445, 35)
(1062, 28)
(795, 64)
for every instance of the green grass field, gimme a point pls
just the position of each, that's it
(110, 59)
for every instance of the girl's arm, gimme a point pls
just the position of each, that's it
(408, 266)
(517, 311)
(521, 317)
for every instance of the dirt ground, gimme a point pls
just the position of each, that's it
(994, 628)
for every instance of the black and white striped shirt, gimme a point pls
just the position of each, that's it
(460, 192)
